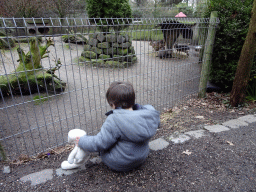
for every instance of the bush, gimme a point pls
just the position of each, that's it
(109, 9)
(230, 35)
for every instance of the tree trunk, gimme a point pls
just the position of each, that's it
(30, 77)
(245, 63)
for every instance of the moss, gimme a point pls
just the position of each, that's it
(31, 81)
(121, 51)
(97, 62)
(96, 50)
(39, 99)
(104, 45)
(87, 48)
(110, 51)
(103, 56)
(111, 38)
(114, 64)
(89, 54)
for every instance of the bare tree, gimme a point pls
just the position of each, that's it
(245, 63)
(23, 8)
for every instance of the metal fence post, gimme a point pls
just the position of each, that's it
(207, 54)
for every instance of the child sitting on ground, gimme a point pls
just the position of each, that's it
(124, 136)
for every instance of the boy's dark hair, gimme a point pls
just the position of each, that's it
(121, 94)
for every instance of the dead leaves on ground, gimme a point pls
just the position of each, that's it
(187, 152)
(56, 151)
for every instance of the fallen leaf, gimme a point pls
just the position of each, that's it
(230, 143)
(187, 152)
(200, 117)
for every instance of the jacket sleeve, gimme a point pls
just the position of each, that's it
(104, 140)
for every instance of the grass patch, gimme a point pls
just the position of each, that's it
(146, 35)
(38, 100)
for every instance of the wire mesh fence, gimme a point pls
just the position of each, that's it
(54, 72)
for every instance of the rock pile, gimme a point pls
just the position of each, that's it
(110, 50)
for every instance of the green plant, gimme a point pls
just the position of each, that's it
(230, 34)
(2, 153)
(251, 90)
(39, 99)
(109, 9)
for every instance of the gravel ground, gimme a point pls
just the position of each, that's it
(218, 162)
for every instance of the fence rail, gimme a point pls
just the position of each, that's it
(54, 72)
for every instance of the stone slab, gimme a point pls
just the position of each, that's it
(179, 139)
(6, 169)
(197, 134)
(61, 172)
(38, 177)
(248, 118)
(158, 144)
(216, 128)
(235, 123)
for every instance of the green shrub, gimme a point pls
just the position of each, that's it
(109, 9)
(251, 90)
(231, 32)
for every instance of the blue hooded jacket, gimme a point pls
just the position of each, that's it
(124, 136)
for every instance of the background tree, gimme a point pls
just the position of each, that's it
(231, 31)
(23, 8)
(169, 2)
(245, 63)
(65, 7)
(109, 9)
(140, 3)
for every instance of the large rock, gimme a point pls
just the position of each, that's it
(110, 51)
(120, 39)
(113, 63)
(121, 51)
(97, 62)
(96, 50)
(87, 47)
(93, 35)
(104, 45)
(111, 38)
(101, 37)
(89, 54)
(93, 42)
(131, 50)
(125, 45)
(116, 45)
(104, 57)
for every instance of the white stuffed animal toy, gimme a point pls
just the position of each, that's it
(77, 157)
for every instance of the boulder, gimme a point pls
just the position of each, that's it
(101, 37)
(89, 54)
(120, 39)
(104, 45)
(111, 38)
(104, 57)
(93, 42)
(96, 50)
(87, 47)
(110, 51)
(121, 51)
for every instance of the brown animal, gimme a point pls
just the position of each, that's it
(172, 30)
(182, 48)
(157, 45)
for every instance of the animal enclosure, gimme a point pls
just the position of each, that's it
(54, 77)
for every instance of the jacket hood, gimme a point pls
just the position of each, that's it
(138, 125)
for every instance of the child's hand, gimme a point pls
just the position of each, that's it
(77, 141)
